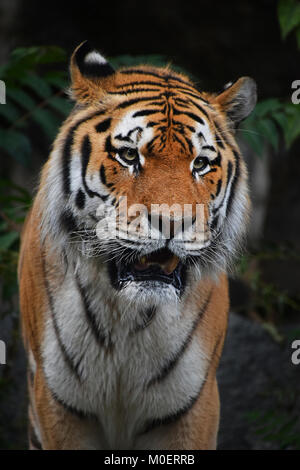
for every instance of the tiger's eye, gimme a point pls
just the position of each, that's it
(200, 163)
(129, 154)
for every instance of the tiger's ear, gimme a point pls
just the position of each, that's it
(238, 100)
(90, 74)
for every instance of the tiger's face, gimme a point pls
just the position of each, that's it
(152, 179)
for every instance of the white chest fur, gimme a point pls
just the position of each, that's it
(100, 360)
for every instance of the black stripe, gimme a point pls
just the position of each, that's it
(102, 174)
(172, 418)
(189, 142)
(86, 150)
(137, 128)
(66, 157)
(123, 138)
(234, 182)
(181, 142)
(136, 90)
(128, 135)
(182, 125)
(128, 103)
(217, 160)
(98, 333)
(66, 153)
(229, 174)
(189, 114)
(68, 221)
(103, 177)
(219, 183)
(142, 82)
(80, 199)
(161, 77)
(72, 409)
(103, 126)
(152, 124)
(215, 222)
(188, 91)
(141, 72)
(181, 102)
(145, 112)
(219, 141)
(150, 145)
(109, 148)
(201, 109)
(209, 147)
(169, 366)
(68, 359)
(221, 133)
(187, 84)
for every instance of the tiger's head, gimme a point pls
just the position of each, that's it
(149, 137)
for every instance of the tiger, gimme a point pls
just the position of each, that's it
(124, 333)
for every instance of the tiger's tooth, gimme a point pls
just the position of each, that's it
(171, 264)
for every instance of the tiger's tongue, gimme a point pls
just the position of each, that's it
(168, 266)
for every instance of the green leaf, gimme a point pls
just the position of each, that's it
(21, 98)
(298, 37)
(9, 112)
(37, 84)
(289, 16)
(60, 104)
(16, 144)
(8, 184)
(267, 106)
(280, 118)
(8, 239)
(292, 128)
(47, 121)
(254, 138)
(58, 79)
(38, 55)
(269, 131)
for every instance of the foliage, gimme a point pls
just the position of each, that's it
(278, 425)
(289, 18)
(34, 96)
(274, 117)
(268, 302)
(270, 120)
(14, 203)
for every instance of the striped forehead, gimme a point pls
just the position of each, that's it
(202, 136)
(136, 129)
(132, 130)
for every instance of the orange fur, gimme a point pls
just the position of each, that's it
(164, 179)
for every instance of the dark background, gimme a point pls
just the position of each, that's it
(216, 41)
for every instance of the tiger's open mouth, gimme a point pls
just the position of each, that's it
(161, 266)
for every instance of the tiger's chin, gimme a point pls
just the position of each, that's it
(148, 293)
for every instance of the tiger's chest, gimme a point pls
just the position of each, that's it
(126, 368)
